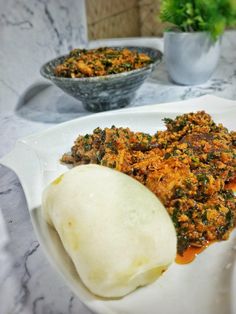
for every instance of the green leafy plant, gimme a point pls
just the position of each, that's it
(212, 16)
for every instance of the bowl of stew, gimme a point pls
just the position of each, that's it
(104, 78)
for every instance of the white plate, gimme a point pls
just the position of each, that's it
(205, 286)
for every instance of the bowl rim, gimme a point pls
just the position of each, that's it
(102, 77)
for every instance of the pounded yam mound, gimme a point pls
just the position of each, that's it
(117, 233)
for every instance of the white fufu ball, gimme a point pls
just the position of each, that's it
(117, 233)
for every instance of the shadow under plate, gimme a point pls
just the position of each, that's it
(44, 102)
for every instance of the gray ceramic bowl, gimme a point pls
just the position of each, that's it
(103, 92)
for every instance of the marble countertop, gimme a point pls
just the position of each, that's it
(28, 284)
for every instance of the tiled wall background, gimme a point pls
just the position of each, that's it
(122, 18)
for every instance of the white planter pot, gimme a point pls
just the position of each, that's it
(190, 58)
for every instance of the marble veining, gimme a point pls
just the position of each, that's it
(28, 284)
(33, 32)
